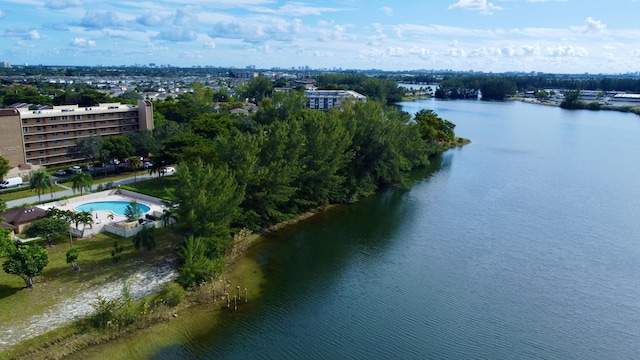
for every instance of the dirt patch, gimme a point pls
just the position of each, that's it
(142, 282)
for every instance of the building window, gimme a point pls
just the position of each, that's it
(52, 118)
(80, 132)
(41, 152)
(25, 129)
(78, 117)
(38, 128)
(55, 134)
(25, 122)
(39, 136)
(40, 144)
(65, 125)
(28, 153)
(101, 115)
(53, 126)
(26, 137)
(64, 118)
(89, 116)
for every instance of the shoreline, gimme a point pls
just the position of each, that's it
(74, 340)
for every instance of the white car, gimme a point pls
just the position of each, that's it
(167, 170)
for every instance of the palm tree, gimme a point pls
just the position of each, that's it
(85, 218)
(81, 181)
(145, 239)
(40, 181)
(135, 163)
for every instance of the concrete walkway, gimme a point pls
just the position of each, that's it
(69, 192)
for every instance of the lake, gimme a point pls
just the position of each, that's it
(523, 244)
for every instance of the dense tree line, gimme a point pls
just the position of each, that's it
(239, 171)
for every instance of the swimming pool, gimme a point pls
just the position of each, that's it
(117, 207)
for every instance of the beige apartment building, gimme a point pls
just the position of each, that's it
(43, 137)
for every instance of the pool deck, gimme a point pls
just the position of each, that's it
(101, 217)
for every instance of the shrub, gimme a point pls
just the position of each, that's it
(172, 294)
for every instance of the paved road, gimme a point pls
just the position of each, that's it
(69, 192)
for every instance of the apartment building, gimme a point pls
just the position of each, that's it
(327, 99)
(44, 136)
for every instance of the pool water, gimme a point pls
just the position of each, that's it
(116, 207)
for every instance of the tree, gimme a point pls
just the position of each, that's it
(195, 266)
(81, 181)
(209, 197)
(256, 89)
(90, 148)
(118, 147)
(433, 128)
(132, 211)
(27, 261)
(4, 167)
(47, 228)
(85, 218)
(145, 239)
(40, 181)
(72, 256)
(135, 163)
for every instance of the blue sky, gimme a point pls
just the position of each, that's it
(559, 36)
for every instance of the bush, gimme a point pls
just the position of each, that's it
(171, 295)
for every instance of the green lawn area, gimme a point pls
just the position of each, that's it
(26, 193)
(162, 187)
(59, 281)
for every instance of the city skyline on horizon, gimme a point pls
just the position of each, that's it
(549, 36)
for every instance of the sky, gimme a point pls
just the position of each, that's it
(553, 36)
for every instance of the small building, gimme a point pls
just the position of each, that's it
(19, 219)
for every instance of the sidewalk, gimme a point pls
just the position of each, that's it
(69, 192)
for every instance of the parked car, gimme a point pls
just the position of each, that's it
(148, 164)
(167, 170)
(11, 182)
(60, 173)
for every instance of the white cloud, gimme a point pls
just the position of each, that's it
(535, 1)
(483, 6)
(568, 51)
(82, 42)
(593, 26)
(101, 20)
(176, 34)
(254, 32)
(63, 4)
(387, 10)
(295, 8)
(1, 14)
(210, 45)
(34, 35)
(337, 33)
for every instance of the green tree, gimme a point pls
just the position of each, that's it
(209, 197)
(145, 239)
(27, 261)
(40, 182)
(118, 147)
(85, 218)
(72, 256)
(432, 128)
(47, 228)
(256, 89)
(6, 245)
(4, 167)
(196, 266)
(81, 181)
(89, 148)
(133, 211)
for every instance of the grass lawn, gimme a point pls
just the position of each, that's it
(162, 187)
(58, 281)
(27, 193)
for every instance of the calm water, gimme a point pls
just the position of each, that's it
(522, 245)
